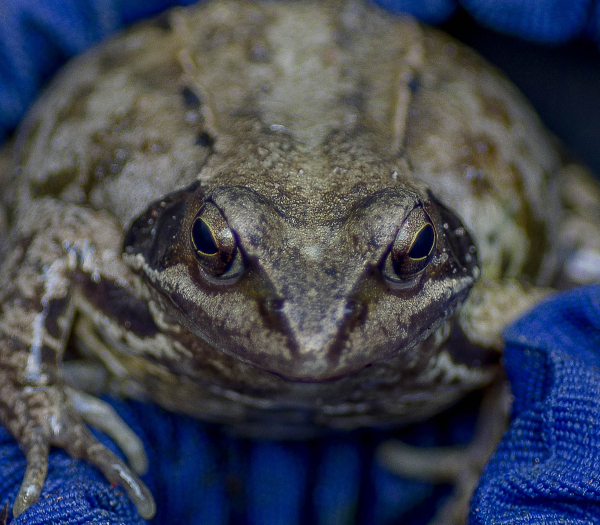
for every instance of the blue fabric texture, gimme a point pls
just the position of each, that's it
(199, 475)
(546, 470)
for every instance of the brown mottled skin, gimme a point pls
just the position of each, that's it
(345, 165)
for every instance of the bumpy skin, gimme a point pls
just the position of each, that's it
(322, 140)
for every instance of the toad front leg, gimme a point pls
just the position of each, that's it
(46, 257)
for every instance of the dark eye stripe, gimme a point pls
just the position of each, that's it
(202, 238)
(423, 243)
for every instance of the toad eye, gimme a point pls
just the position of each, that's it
(413, 248)
(214, 244)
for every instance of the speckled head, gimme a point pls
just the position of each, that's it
(310, 269)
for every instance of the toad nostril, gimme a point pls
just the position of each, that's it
(353, 307)
(274, 304)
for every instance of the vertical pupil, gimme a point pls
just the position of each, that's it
(202, 238)
(423, 243)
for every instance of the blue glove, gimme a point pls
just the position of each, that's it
(545, 466)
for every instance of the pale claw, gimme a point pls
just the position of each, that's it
(115, 470)
(102, 416)
(51, 420)
(35, 474)
(78, 441)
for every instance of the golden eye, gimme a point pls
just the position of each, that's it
(202, 238)
(413, 248)
(214, 244)
(423, 243)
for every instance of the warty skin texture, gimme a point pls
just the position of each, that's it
(321, 145)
